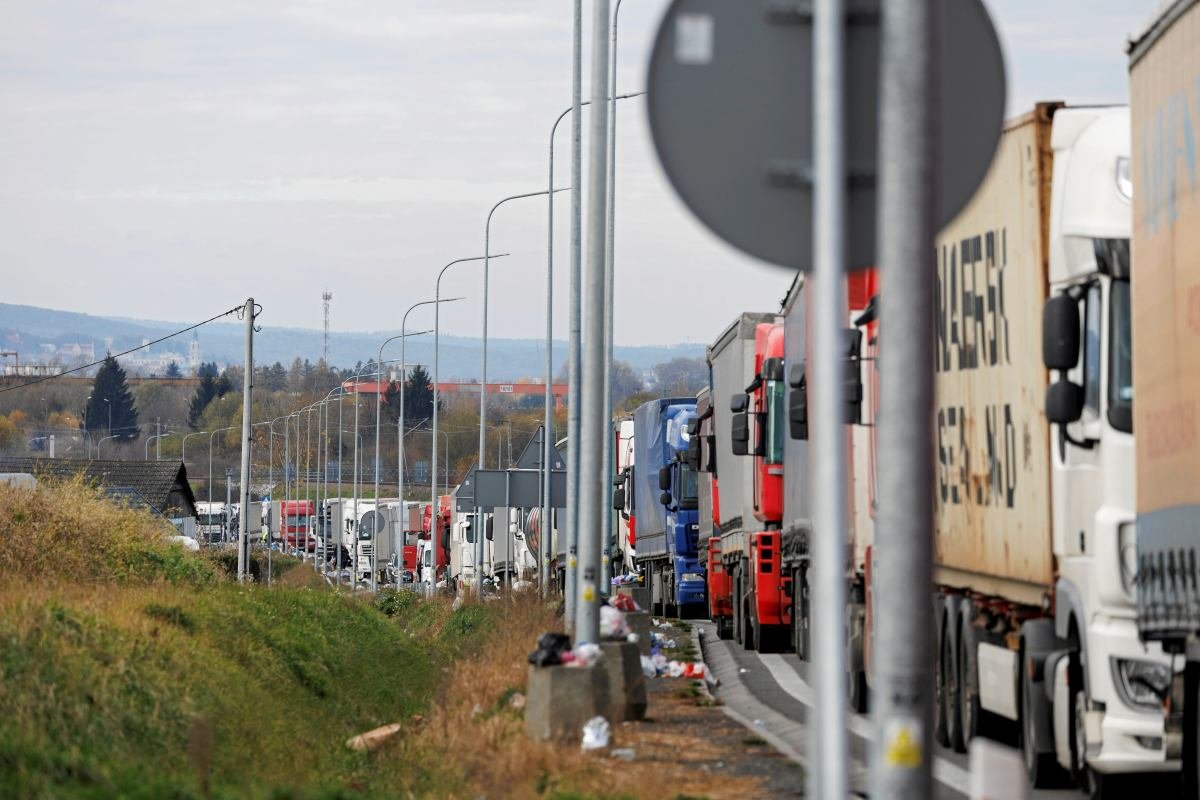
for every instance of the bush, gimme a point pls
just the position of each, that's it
(72, 532)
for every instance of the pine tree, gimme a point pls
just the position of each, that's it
(173, 371)
(110, 393)
(418, 398)
(211, 387)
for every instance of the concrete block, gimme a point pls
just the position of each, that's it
(559, 700)
(640, 595)
(639, 623)
(626, 682)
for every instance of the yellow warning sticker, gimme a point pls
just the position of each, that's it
(903, 746)
(589, 593)
(572, 562)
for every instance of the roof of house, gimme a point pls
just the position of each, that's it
(137, 483)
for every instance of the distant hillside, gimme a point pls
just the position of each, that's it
(26, 328)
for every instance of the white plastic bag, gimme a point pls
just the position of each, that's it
(596, 733)
(612, 623)
(587, 654)
(648, 668)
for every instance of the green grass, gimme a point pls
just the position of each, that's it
(152, 693)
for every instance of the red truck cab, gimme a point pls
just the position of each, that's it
(294, 524)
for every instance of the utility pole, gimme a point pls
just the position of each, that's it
(908, 199)
(828, 743)
(592, 481)
(574, 343)
(247, 406)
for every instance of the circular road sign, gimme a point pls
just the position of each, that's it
(731, 103)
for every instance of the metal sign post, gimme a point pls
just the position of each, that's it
(908, 144)
(828, 745)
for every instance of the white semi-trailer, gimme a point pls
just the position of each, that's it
(1034, 516)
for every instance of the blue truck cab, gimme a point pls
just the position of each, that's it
(668, 516)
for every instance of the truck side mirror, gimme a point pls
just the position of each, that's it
(691, 456)
(798, 403)
(1060, 332)
(665, 498)
(618, 500)
(488, 528)
(664, 478)
(739, 403)
(853, 377)
(1064, 402)
(739, 433)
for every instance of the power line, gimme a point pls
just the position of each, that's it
(234, 310)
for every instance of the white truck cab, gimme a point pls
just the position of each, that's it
(1106, 716)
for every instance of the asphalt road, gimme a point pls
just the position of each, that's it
(773, 696)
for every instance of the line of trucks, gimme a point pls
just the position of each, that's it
(1067, 526)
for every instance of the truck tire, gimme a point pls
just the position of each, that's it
(856, 675)
(1037, 734)
(952, 676)
(750, 630)
(1191, 730)
(940, 734)
(735, 606)
(724, 628)
(969, 638)
(800, 615)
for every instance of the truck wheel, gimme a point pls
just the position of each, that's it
(750, 631)
(1191, 730)
(856, 676)
(951, 683)
(1041, 765)
(735, 622)
(724, 628)
(940, 734)
(800, 617)
(968, 670)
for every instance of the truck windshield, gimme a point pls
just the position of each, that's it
(211, 519)
(1120, 360)
(775, 422)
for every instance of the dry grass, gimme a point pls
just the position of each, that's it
(73, 532)
(477, 742)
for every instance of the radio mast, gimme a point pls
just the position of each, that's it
(326, 296)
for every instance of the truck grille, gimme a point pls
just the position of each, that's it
(1168, 592)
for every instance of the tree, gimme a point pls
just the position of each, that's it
(211, 387)
(173, 371)
(418, 398)
(110, 394)
(624, 382)
(681, 377)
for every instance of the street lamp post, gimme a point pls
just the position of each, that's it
(210, 445)
(102, 441)
(609, 276)
(487, 235)
(433, 511)
(154, 438)
(548, 444)
(378, 424)
(400, 420)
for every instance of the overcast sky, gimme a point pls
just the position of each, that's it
(166, 158)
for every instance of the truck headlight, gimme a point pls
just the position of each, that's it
(691, 576)
(1127, 556)
(1141, 684)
